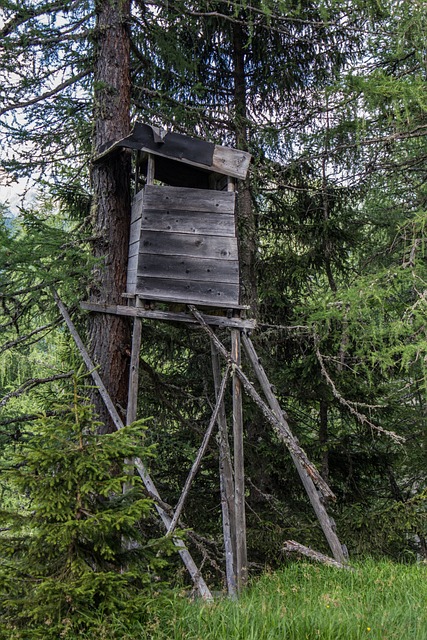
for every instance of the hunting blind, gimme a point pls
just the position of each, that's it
(183, 250)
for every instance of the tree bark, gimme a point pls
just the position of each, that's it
(245, 213)
(110, 335)
(324, 439)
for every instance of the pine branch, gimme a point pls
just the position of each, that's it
(23, 16)
(48, 94)
(13, 343)
(346, 403)
(30, 384)
(56, 39)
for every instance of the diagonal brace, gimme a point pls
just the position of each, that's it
(202, 450)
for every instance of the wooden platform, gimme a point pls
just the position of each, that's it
(168, 316)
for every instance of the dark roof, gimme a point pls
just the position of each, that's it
(185, 149)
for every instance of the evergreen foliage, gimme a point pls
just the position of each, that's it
(74, 551)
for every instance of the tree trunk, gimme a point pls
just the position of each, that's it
(110, 335)
(245, 214)
(324, 439)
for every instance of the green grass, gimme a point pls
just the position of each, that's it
(378, 600)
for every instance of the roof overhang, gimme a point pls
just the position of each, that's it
(181, 148)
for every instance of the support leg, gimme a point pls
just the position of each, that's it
(226, 483)
(134, 372)
(317, 504)
(239, 472)
(202, 450)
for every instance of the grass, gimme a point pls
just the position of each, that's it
(377, 601)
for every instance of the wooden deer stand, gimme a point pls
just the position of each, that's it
(183, 249)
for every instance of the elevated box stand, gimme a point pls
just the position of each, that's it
(183, 239)
(184, 267)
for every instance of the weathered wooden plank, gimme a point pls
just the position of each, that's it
(201, 303)
(184, 268)
(225, 160)
(131, 279)
(166, 316)
(232, 162)
(186, 291)
(135, 231)
(137, 205)
(185, 199)
(133, 249)
(131, 286)
(196, 222)
(133, 263)
(185, 244)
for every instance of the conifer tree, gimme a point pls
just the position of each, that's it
(73, 552)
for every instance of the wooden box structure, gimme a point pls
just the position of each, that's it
(183, 246)
(183, 240)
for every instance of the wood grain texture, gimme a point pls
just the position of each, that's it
(188, 222)
(166, 316)
(207, 293)
(135, 231)
(133, 249)
(185, 199)
(133, 263)
(185, 268)
(137, 205)
(235, 164)
(182, 244)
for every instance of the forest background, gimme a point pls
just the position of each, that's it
(330, 99)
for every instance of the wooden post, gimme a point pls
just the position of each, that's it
(186, 557)
(239, 471)
(150, 169)
(226, 484)
(132, 406)
(134, 369)
(318, 506)
(137, 322)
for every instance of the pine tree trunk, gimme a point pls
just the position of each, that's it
(110, 335)
(324, 439)
(245, 213)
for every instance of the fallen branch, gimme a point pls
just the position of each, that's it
(295, 547)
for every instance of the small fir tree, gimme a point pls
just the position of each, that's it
(74, 553)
